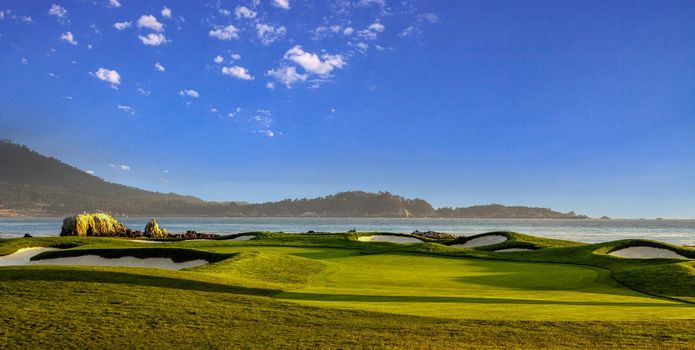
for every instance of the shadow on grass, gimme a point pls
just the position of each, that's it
(462, 300)
(92, 276)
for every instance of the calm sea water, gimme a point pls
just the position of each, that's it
(592, 231)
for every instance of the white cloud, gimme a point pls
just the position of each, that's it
(124, 167)
(237, 72)
(2, 14)
(122, 25)
(235, 56)
(144, 92)
(267, 33)
(213, 110)
(218, 59)
(67, 97)
(243, 11)
(114, 3)
(149, 21)
(377, 27)
(362, 46)
(166, 12)
(24, 61)
(90, 172)
(430, 17)
(153, 39)
(408, 31)
(58, 11)
(348, 31)
(286, 75)
(311, 61)
(69, 38)
(26, 19)
(270, 85)
(381, 3)
(225, 33)
(372, 31)
(267, 132)
(108, 75)
(189, 93)
(158, 66)
(225, 12)
(234, 113)
(127, 109)
(283, 4)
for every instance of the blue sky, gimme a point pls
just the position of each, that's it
(575, 105)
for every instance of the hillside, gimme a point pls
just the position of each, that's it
(33, 184)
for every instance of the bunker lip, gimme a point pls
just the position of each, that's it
(389, 239)
(646, 252)
(482, 241)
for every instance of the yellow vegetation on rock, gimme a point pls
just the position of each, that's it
(152, 230)
(92, 224)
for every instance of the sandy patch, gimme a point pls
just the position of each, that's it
(197, 240)
(389, 238)
(513, 250)
(482, 241)
(243, 238)
(646, 253)
(23, 256)
(146, 241)
(126, 261)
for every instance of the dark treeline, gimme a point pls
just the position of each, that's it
(32, 184)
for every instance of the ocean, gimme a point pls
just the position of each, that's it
(590, 231)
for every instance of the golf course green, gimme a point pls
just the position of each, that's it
(335, 290)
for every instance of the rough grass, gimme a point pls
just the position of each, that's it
(115, 311)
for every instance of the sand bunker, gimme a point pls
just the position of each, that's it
(389, 238)
(23, 256)
(244, 238)
(513, 250)
(482, 241)
(645, 252)
(146, 241)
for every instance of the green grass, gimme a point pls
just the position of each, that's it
(331, 291)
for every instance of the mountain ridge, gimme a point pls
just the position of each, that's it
(32, 184)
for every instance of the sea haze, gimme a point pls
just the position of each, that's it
(590, 231)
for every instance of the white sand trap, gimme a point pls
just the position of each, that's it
(126, 261)
(482, 241)
(23, 256)
(146, 241)
(645, 252)
(389, 238)
(196, 240)
(244, 238)
(513, 250)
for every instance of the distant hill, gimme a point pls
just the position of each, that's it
(33, 184)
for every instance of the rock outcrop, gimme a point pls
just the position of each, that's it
(92, 224)
(152, 230)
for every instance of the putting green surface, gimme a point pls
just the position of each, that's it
(450, 287)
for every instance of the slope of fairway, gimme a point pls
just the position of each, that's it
(479, 289)
(57, 308)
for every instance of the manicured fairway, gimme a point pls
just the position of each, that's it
(328, 291)
(451, 287)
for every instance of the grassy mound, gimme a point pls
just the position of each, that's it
(267, 269)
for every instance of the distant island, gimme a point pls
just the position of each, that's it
(35, 185)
